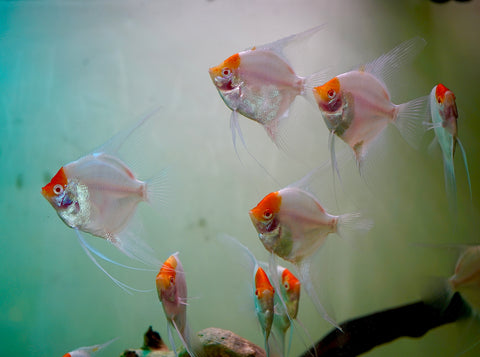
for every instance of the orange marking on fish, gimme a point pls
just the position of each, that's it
(67, 355)
(440, 92)
(290, 282)
(262, 283)
(232, 63)
(167, 273)
(327, 90)
(269, 205)
(59, 179)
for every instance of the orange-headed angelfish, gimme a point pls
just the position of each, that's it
(292, 224)
(87, 351)
(260, 84)
(98, 194)
(264, 304)
(172, 293)
(443, 109)
(357, 107)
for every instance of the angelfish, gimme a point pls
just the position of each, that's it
(356, 106)
(443, 109)
(87, 351)
(264, 304)
(260, 84)
(172, 293)
(99, 194)
(292, 224)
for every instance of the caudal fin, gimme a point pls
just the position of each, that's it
(410, 120)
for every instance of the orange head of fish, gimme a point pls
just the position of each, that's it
(56, 186)
(328, 95)
(290, 283)
(167, 274)
(67, 355)
(263, 216)
(263, 288)
(446, 101)
(223, 75)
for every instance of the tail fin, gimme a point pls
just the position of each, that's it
(353, 222)
(410, 120)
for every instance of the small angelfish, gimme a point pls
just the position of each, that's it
(264, 304)
(98, 194)
(260, 84)
(172, 292)
(87, 351)
(292, 224)
(357, 107)
(444, 122)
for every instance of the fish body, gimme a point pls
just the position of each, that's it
(466, 279)
(292, 224)
(172, 293)
(357, 106)
(444, 114)
(97, 194)
(87, 351)
(260, 84)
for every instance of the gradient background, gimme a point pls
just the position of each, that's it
(72, 73)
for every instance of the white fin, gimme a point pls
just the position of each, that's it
(123, 286)
(157, 190)
(410, 119)
(279, 45)
(183, 339)
(353, 222)
(464, 156)
(245, 253)
(170, 339)
(306, 280)
(314, 80)
(387, 64)
(113, 145)
(450, 184)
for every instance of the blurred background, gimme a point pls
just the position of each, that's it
(73, 73)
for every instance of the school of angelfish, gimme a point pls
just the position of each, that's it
(98, 193)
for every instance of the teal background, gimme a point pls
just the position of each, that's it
(73, 73)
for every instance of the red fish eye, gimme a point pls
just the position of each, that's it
(172, 280)
(331, 93)
(226, 72)
(267, 214)
(57, 189)
(287, 286)
(256, 292)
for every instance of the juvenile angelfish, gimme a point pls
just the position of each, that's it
(356, 105)
(264, 303)
(444, 114)
(260, 84)
(292, 224)
(98, 194)
(87, 351)
(172, 293)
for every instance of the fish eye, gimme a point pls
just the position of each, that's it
(226, 72)
(172, 280)
(267, 214)
(286, 285)
(256, 292)
(57, 189)
(331, 93)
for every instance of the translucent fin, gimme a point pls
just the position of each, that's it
(387, 64)
(279, 45)
(170, 339)
(134, 247)
(183, 339)
(113, 145)
(304, 270)
(239, 248)
(123, 286)
(450, 184)
(464, 156)
(353, 222)
(410, 119)
(157, 190)
(314, 80)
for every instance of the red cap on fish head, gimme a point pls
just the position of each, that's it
(326, 95)
(440, 92)
(290, 281)
(67, 355)
(56, 184)
(262, 283)
(230, 64)
(166, 275)
(267, 208)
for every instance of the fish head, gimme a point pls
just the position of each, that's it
(448, 107)
(328, 96)
(263, 288)
(56, 191)
(225, 75)
(265, 215)
(291, 285)
(166, 277)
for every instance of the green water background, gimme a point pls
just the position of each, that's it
(72, 73)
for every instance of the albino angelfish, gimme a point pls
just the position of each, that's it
(87, 351)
